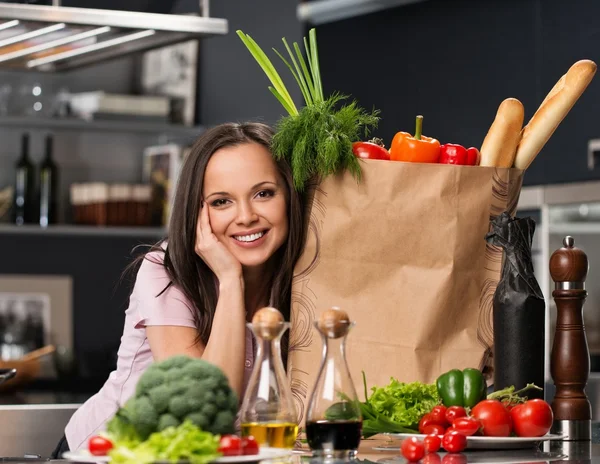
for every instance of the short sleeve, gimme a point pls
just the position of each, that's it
(152, 304)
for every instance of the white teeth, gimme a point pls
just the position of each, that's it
(249, 238)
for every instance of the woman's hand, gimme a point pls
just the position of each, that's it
(213, 252)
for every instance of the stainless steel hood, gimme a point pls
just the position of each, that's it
(57, 38)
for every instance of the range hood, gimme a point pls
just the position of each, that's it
(56, 38)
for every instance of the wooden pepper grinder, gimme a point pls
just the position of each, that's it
(570, 361)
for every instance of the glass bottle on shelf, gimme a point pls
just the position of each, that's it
(23, 207)
(268, 412)
(48, 187)
(333, 417)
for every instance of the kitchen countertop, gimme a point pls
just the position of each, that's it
(555, 451)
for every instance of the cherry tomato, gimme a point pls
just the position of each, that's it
(454, 412)
(432, 443)
(495, 419)
(532, 418)
(466, 425)
(454, 441)
(249, 445)
(370, 150)
(99, 446)
(434, 429)
(453, 458)
(425, 421)
(432, 458)
(412, 449)
(230, 445)
(438, 413)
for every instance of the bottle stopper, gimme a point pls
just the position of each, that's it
(267, 323)
(334, 322)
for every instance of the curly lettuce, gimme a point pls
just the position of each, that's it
(404, 403)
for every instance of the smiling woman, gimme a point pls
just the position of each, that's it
(235, 233)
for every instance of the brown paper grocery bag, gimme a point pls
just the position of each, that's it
(403, 251)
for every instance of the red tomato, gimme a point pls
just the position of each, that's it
(455, 459)
(495, 419)
(99, 446)
(230, 445)
(370, 150)
(425, 421)
(466, 425)
(412, 449)
(454, 441)
(434, 429)
(532, 418)
(454, 412)
(432, 443)
(438, 413)
(432, 458)
(249, 445)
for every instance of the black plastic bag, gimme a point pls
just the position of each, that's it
(519, 309)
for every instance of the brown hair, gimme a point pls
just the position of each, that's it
(185, 268)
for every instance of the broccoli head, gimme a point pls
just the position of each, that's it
(180, 388)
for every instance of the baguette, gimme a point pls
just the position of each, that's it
(500, 144)
(553, 110)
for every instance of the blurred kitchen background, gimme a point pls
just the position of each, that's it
(114, 131)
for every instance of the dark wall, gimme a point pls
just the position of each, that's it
(454, 61)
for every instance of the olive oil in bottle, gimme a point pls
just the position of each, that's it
(48, 187)
(23, 204)
(274, 435)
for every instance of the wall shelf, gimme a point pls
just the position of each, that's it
(73, 124)
(76, 230)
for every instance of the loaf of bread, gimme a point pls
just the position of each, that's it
(552, 111)
(500, 144)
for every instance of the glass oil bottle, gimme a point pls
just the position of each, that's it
(268, 412)
(333, 418)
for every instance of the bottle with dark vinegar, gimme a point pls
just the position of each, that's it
(48, 187)
(333, 418)
(24, 197)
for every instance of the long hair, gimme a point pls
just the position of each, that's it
(185, 268)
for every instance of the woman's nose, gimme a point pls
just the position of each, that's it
(246, 214)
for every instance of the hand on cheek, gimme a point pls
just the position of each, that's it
(213, 252)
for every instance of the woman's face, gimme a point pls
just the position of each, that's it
(246, 198)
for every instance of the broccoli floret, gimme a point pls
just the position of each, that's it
(160, 397)
(167, 420)
(178, 406)
(143, 416)
(223, 423)
(181, 388)
(150, 379)
(199, 419)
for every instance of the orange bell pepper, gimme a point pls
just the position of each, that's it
(417, 149)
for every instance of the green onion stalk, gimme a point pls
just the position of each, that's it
(316, 139)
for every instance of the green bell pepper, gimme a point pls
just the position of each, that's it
(462, 388)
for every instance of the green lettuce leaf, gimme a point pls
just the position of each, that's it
(404, 403)
(187, 442)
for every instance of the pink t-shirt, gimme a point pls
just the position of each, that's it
(134, 355)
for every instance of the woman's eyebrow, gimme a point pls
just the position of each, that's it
(260, 184)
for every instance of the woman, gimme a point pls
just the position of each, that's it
(234, 235)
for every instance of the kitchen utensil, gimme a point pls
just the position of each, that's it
(27, 368)
(7, 374)
(570, 360)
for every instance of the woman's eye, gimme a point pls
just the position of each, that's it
(265, 194)
(219, 202)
